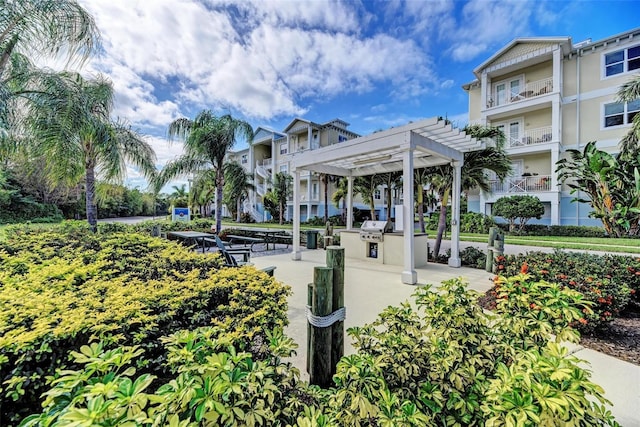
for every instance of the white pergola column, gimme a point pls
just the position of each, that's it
(555, 188)
(349, 202)
(485, 90)
(296, 254)
(309, 182)
(454, 259)
(409, 274)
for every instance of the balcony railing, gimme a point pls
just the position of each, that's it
(531, 137)
(264, 163)
(530, 90)
(522, 184)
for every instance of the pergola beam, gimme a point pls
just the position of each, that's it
(429, 142)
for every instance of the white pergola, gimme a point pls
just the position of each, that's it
(429, 142)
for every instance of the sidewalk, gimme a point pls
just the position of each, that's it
(371, 287)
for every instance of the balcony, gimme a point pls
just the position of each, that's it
(530, 90)
(531, 137)
(522, 185)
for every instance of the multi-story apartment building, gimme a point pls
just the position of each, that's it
(549, 95)
(271, 151)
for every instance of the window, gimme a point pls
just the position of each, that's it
(515, 88)
(243, 159)
(342, 138)
(622, 61)
(511, 130)
(377, 195)
(620, 113)
(507, 91)
(501, 94)
(284, 169)
(283, 148)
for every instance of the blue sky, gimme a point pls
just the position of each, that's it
(373, 64)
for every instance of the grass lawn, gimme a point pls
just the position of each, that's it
(561, 242)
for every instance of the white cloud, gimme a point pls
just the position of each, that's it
(263, 59)
(447, 84)
(466, 51)
(484, 24)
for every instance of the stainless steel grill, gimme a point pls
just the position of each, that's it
(373, 231)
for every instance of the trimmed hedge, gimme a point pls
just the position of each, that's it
(62, 289)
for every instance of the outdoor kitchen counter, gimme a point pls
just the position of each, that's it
(389, 251)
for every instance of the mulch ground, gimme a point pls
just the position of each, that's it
(620, 338)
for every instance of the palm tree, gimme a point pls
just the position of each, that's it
(282, 189)
(46, 27)
(39, 27)
(236, 187)
(340, 196)
(420, 179)
(390, 180)
(74, 130)
(203, 190)
(366, 187)
(474, 172)
(326, 179)
(207, 139)
(630, 92)
(180, 195)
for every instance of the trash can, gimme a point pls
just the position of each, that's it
(312, 239)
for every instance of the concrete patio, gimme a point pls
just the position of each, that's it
(371, 287)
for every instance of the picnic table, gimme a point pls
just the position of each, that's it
(244, 239)
(193, 237)
(269, 235)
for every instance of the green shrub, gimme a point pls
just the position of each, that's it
(607, 281)
(440, 361)
(448, 357)
(62, 289)
(472, 257)
(575, 231)
(212, 384)
(474, 222)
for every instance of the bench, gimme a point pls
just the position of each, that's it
(285, 239)
(244, 240)
(230, 261)
(220, 245)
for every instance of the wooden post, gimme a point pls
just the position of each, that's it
(309, 328)
(320, 363)
(335, 260)
(493, 231)
(498, 245)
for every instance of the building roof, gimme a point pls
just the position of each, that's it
(335, 123)
(564, 42)
(589, 45)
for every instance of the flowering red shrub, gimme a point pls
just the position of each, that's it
(609, 281)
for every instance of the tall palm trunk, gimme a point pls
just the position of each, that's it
(238, 209)
(90, 197)
(420, 201)
(442, 222)
(219, 188)
(281, 212)
(387, 195)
